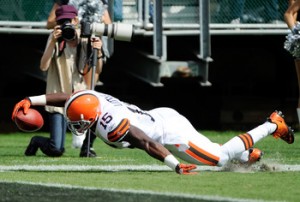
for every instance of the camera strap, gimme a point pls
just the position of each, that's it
(61, 46)
(89, 56)
(77, 59)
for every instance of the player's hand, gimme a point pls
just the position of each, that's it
(23, 104)
(185, 169)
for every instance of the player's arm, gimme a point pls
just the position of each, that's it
(137, 138)
(54, 99)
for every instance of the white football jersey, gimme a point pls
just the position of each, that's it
(161, 124)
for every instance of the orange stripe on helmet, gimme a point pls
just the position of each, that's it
(247, 140)
(202, 155)
(119, 132)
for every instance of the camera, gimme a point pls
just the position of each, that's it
(68, 31)
(117, 31)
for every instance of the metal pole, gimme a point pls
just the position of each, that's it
(205, 50)
(94, 66)
(110, 41)
(157, 37)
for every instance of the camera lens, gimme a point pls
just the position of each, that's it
(118, 31)
(68, 31)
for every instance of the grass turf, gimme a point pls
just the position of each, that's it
(254, 185)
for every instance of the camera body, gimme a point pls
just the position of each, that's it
(68, 31)
(118, 31)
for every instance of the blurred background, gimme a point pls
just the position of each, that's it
(239, 72)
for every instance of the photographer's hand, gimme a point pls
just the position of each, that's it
(56, 33)
(97, 44)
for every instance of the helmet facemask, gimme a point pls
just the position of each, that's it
(80, 127)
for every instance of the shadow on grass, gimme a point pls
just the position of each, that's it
(30, 192)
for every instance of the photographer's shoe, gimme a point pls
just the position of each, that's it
(283, 131)
(31, 148)
(86, 153)
(254, 155)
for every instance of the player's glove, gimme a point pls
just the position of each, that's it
(23, 104)
(185, 169)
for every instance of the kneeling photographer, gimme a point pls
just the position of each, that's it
(66, 59)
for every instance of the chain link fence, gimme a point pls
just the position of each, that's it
(248, 11)
(222, 11)
(25, 10)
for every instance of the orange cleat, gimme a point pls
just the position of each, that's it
(283, 131)
(254, 155)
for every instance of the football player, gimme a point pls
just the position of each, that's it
(162, 132)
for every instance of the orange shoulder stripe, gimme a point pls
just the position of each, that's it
(119, 131)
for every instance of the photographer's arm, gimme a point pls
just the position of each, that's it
(48, 53)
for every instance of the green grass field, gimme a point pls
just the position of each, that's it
(131, 175)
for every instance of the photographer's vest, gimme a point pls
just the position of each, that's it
(63, 74)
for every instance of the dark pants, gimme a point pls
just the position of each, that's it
(53, 146)
(45, 145)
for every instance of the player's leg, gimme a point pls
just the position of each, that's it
(196, 152)
(240, 147)
(185, 142)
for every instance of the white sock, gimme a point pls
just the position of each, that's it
(244, 157)
(262, 131)
(235, 147)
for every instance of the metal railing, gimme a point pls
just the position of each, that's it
(179, 17)
(20, 27)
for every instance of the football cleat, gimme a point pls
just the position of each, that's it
(283, 131)
(254, 155)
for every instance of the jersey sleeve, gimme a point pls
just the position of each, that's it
(119, 132)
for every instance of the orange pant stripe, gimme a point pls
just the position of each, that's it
(202, 155)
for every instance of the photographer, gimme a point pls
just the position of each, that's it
(92, 11)
(66, 60)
